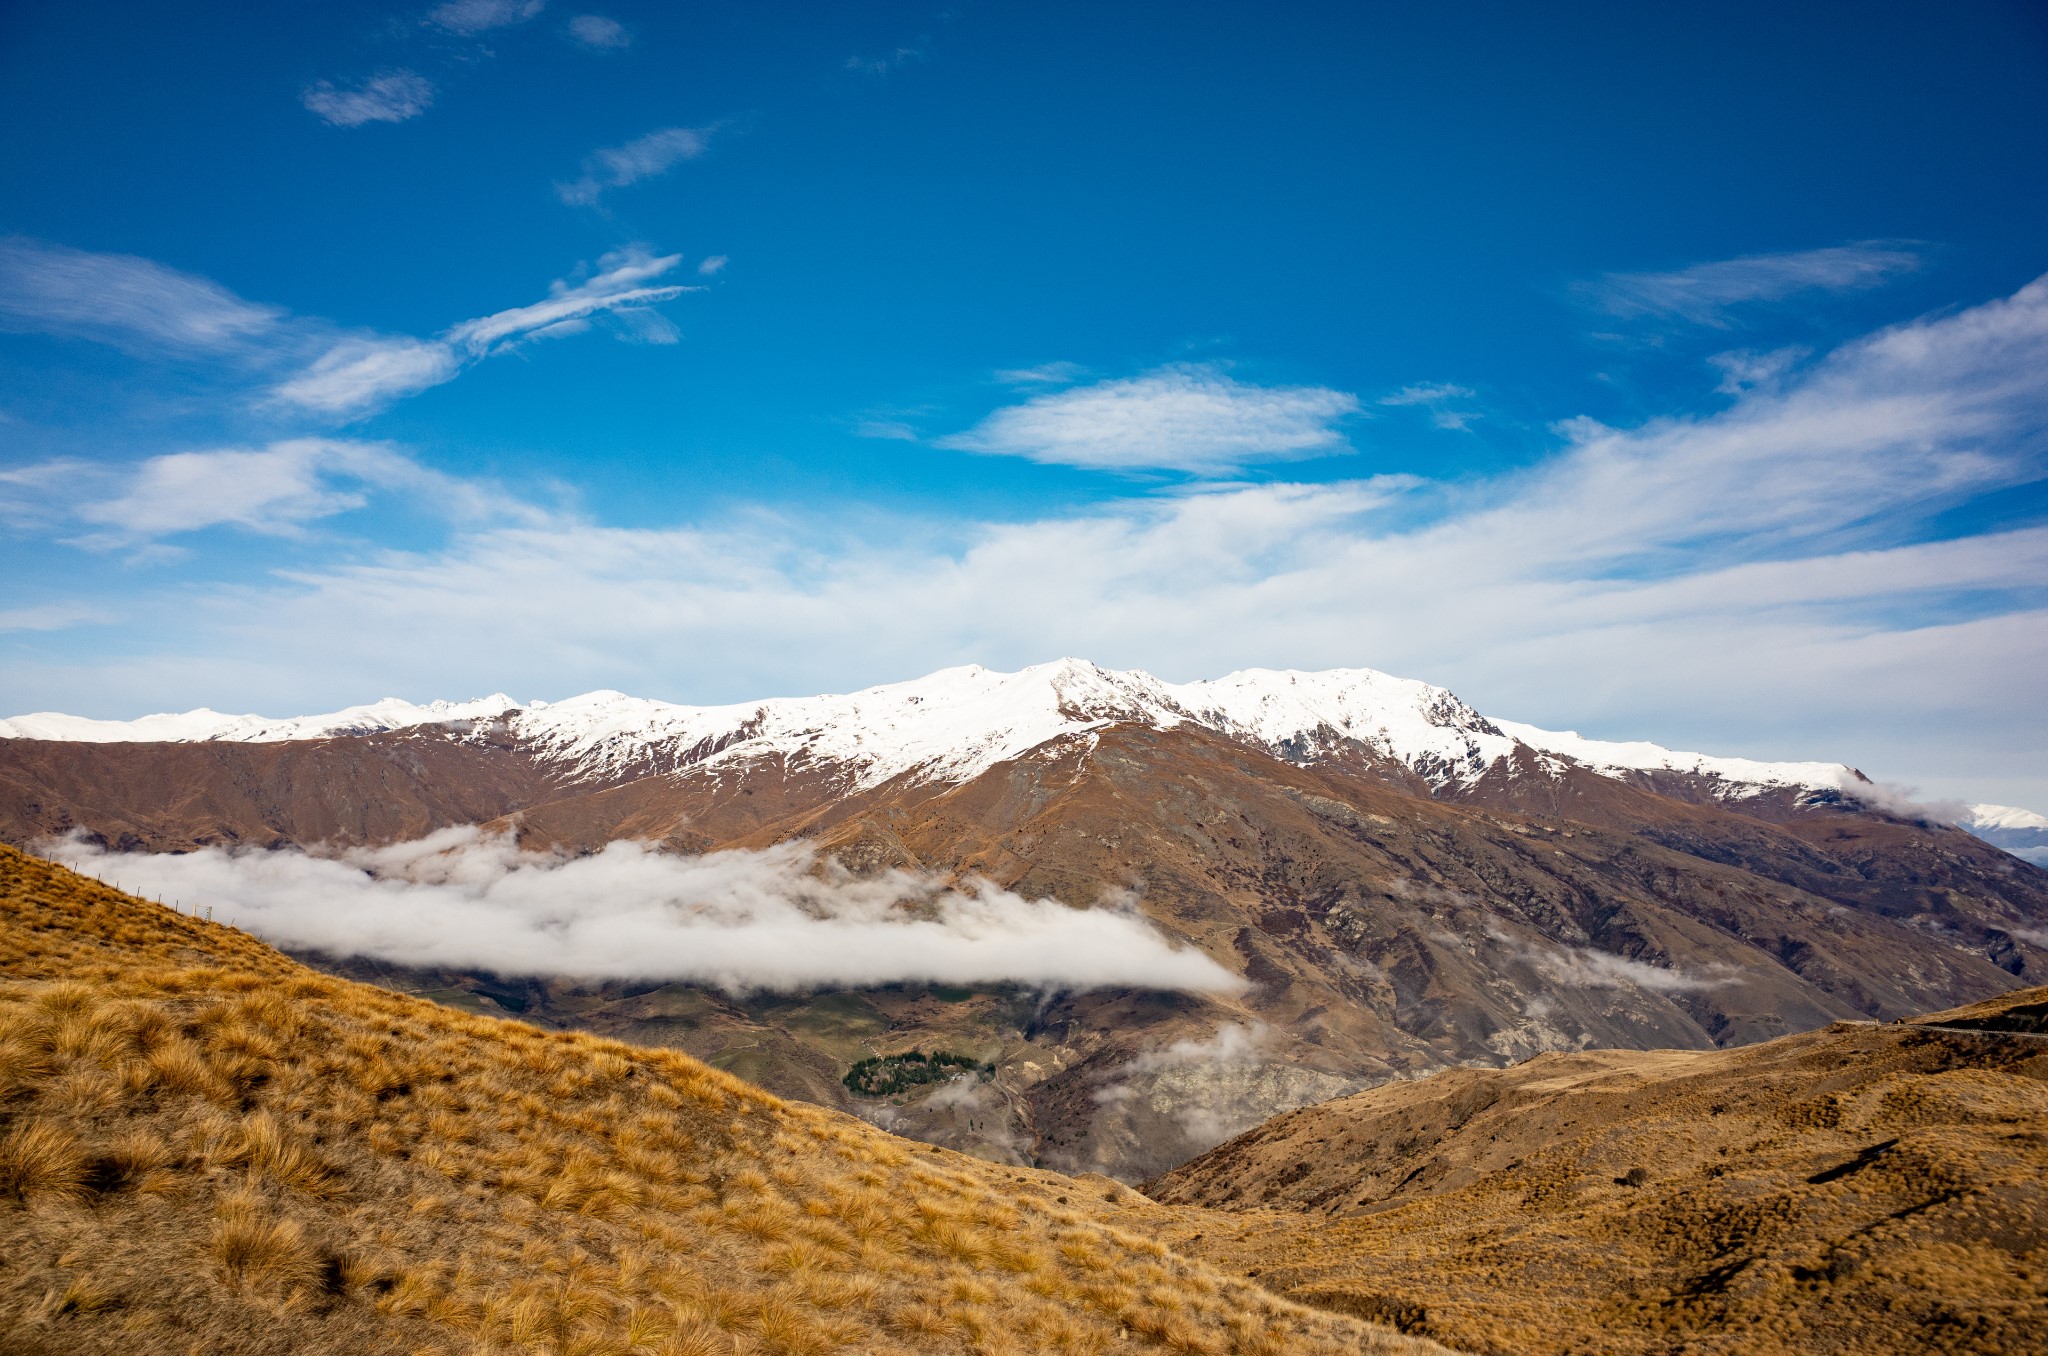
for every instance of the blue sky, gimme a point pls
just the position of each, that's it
(1657, 373)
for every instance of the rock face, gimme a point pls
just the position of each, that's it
(1405, 883)
(1864, 1187)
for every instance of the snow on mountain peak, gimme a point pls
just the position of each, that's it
(2004, 817)
(1734, 777)
(954, 724)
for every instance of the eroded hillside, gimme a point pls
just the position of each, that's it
(205, 1146)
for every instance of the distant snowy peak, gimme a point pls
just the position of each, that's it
(2004, 817)
(953, 725)
(2021, 832)
(201, 725)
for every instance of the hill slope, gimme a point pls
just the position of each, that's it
(1862, 1188)
(207, 1147)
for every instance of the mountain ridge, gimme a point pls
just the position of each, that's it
(954, 724)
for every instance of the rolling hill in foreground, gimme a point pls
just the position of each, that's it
(1391, 881)
(1863, 1188)
(206, 1147)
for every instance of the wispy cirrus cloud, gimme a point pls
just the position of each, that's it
(1191, 418)
(1439, 398)
(402, 94)
(887, 430)
(1746, 369)
(624, 280)
(149, 309)
(889, 61)
(1708, 294)
(641, 158)
(599, 33)
(470, 17)
(390, 96)
(358, 374)
(1044, 374)
(133, 303)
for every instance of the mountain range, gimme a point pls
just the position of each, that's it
(1392, 882)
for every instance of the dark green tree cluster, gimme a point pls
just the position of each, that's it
(887, 1075)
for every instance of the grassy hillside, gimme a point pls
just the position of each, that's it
(1858, 1189)
(206, 1147)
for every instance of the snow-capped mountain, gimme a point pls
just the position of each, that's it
(953, 725)
(1400, 881)
(2021, 832)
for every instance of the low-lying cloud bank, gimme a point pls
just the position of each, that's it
(777, 919)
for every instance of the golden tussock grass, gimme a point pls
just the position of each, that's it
(206, 1147)
(1856, 1189)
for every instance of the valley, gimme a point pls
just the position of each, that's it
(1398, 884)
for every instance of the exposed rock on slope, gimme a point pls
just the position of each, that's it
(1857, 1189)
(204, 1146)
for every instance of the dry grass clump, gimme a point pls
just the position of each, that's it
(42, 1161)
(206, 1147)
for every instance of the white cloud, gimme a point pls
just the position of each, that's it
(119, 299)
(362, 373)
(776, 919)
(618, 283)
(713, 266)
(358, 374)
(470, 17)
(641, 158)
(277, 490)
(1584, 968)
(1745, 369)
(1437, 398)
(1230, 1044)
(1907, 803)
(1184, 418)
(390, 96)
(1705, 294)
(599, 33)
(1044, 374)
(1210, 1089)
(890, 430)
(645, 325)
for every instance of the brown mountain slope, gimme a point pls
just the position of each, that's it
(174, 797)
(206, 1147)
(1865, 1188)
(1387, 934)
(1383, 932)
